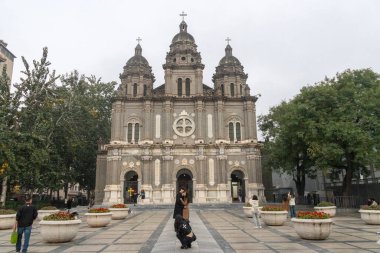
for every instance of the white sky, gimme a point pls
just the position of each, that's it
(282, 44)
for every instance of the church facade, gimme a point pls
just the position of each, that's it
(182, 133)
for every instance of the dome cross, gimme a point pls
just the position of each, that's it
(228, 40)
(139, 40)
(183, 15)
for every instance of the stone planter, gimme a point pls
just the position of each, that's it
(119, 213)
(7, 221)
(313, 229)
(371, 217)
(330, 210)
(247, 211)
(59, 231)
(96, 220)
(43, 213)
(274, 218)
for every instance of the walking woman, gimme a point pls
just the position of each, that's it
(255, 211)
(185, 203)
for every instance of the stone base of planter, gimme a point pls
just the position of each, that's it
(119, 213)
(330, 210)
(43, 213)
(274, 218)
(7, 221)
(312, 229)
(98, 219)
(371, 217)
(247, 211)
(59, 231)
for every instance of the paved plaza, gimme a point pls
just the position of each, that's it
(218, 230)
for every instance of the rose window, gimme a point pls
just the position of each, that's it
(184, 126)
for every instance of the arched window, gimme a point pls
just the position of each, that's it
(137, 132)
(135, 90)
(129, 135)
(231, 131)
(232, 89)
(222, 89)
(187, 87)
(238, 133)
(180, 87)
(145, 90)
(241, 90)
(133, 132)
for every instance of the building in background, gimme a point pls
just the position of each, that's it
(6, 59)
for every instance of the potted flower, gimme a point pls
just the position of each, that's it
(326, 207)
(370, 214)
(7, 218)
(98, 217)
(247, 208)
(312, 225)
(59, 227)
(45, 211)
(119, 211)
(274, 215)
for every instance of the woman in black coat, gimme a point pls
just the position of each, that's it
(184, 232)
(178, 208)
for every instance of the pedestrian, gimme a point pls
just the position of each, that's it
(255, 211)
(69, 204)
(292, 205)
(184, 232)
(24, 221)
(178, 207)
(240, 194)
(373, 202)
(185, 202)
(285, 202)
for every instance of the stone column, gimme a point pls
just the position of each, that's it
(222, 181)
(201, 123)
(200, 188)
(113, 190)
(250, 120)
(167, 187)
(168, 119)
(147, 121)
(118, 121)
(220, 112)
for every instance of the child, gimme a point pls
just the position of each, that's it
(184, 232)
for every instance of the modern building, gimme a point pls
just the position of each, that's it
(181, 133)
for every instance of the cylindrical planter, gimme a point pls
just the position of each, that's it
(43, 213)
(98, 219)
(119, 213)
(371, 217)
(7, 221)
(330, 210)
(247, 211)
(313, 229)
(274, 218)
(59, 231)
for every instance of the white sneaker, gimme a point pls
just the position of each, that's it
(260, 227)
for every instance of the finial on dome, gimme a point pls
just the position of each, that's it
(183, 15)
(228, 40)
(183, 25)
(228, 50)
(138, 50)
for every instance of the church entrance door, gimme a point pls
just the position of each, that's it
(237, 186)
(185, 179)
(130, 187)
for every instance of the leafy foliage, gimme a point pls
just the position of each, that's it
(99, 210)
(60, 216)
(7, 211)
(370, 207)
(325, 203)
(119, 206)
(273, 208)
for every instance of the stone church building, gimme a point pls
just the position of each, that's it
(182, 133)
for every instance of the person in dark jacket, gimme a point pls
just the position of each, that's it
(24, 221)
(69, 204)
(184, 232)
(178, 208)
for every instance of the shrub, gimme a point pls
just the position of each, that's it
(48, 208)
(247, 204)
(325, 203)
(7, 211)
(312, 215)
(119, 206)
(99, 210)
(273, 208)
(370, 207)
(60, 216)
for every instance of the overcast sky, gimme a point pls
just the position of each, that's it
(283, 44)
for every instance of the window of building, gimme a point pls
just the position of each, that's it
(145, 90)
(179, 86)
(232, 89)
(137, 132)
(231, 131)
(238, 133)
(222, 89)
(187, 87)
(234, 131)
(135, 90)
(129, 135)
(133, 132)
(241, 90)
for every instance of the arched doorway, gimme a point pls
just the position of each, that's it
(185, 179)
(237, 186)
(130, 187)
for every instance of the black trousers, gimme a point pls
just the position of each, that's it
(185, 240)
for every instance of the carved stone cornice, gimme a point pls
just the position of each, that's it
(200, 157)
(252, 157)
(114, 158)
(146, 157)
(221, 157)
(167, 157)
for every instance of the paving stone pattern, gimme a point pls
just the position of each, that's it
(217, 230)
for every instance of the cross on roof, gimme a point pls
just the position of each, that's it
(139, 39)
(228, 40)
(183, 15)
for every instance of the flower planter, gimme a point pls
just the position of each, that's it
(247, 211)
(7, 221)
(274, 218)
(43, 213)
(313, 229)
(59, 231)
(98, 219)
(119, 213)
(371, 217)
(330, 210)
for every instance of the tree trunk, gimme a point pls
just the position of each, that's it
(300, 181)
(347, 182)
(4, 191)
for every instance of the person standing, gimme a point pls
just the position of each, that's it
(69, 204)
(292, 205)
(185, 203)
(24, 221)
(255, 211)
(178, 207)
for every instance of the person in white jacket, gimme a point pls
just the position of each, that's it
(255, 211)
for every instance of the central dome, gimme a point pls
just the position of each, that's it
(183, 35)
(137, 59)
(229, 59)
